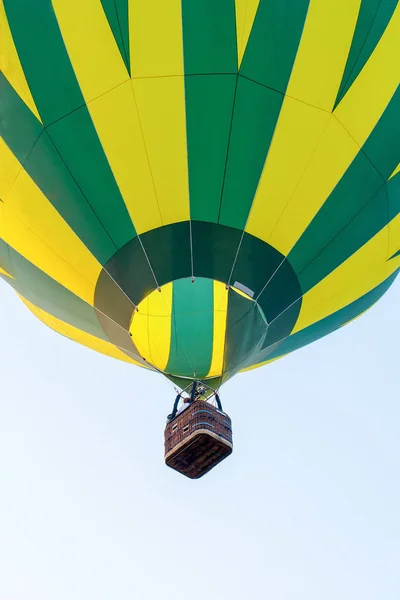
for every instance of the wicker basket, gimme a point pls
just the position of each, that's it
(197, 439)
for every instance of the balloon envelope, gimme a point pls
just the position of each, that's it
(199, 187)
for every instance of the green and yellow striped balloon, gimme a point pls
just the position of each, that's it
(199, 186)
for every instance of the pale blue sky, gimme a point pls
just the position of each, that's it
(306, 508)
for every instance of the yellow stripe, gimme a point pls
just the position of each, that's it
(220, 314)
(397, 170)
(117, 123)
(147, 152)
(155, 30)
(357, 276)
(35, 229)
(246, 11)
(151, 327)
(285, 174)
(10, 64)
(364, 103)
(91, 46)
(334, 153)
(306, 134)
(100, 71)
(323, 51)
(81, 337)
(155, 33)
(161, 107)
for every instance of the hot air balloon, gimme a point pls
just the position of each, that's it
(199, 187)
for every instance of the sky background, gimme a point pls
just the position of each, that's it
(306, 508)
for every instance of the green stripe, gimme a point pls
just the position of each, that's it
(5, 260)
(255, 116)
(222, 187)
(191, 328)
(47, 294)
(44, 58)
(371, 219)
(331, 323)
(393, 192)
(379, 211)
(383, 145)
(264, 76)
(395, 255)
(80, 149)
(56, 93)
(117, 15)
(22, 132)
(210, 59)
(209, 105)
(209, 36)
(372, 21)
(245, 334)
(273, 42)
(356, 209)
(19, 127)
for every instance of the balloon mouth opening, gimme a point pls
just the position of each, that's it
(171, 307)
(182, 327)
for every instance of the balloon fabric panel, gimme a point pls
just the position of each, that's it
(199, 188)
